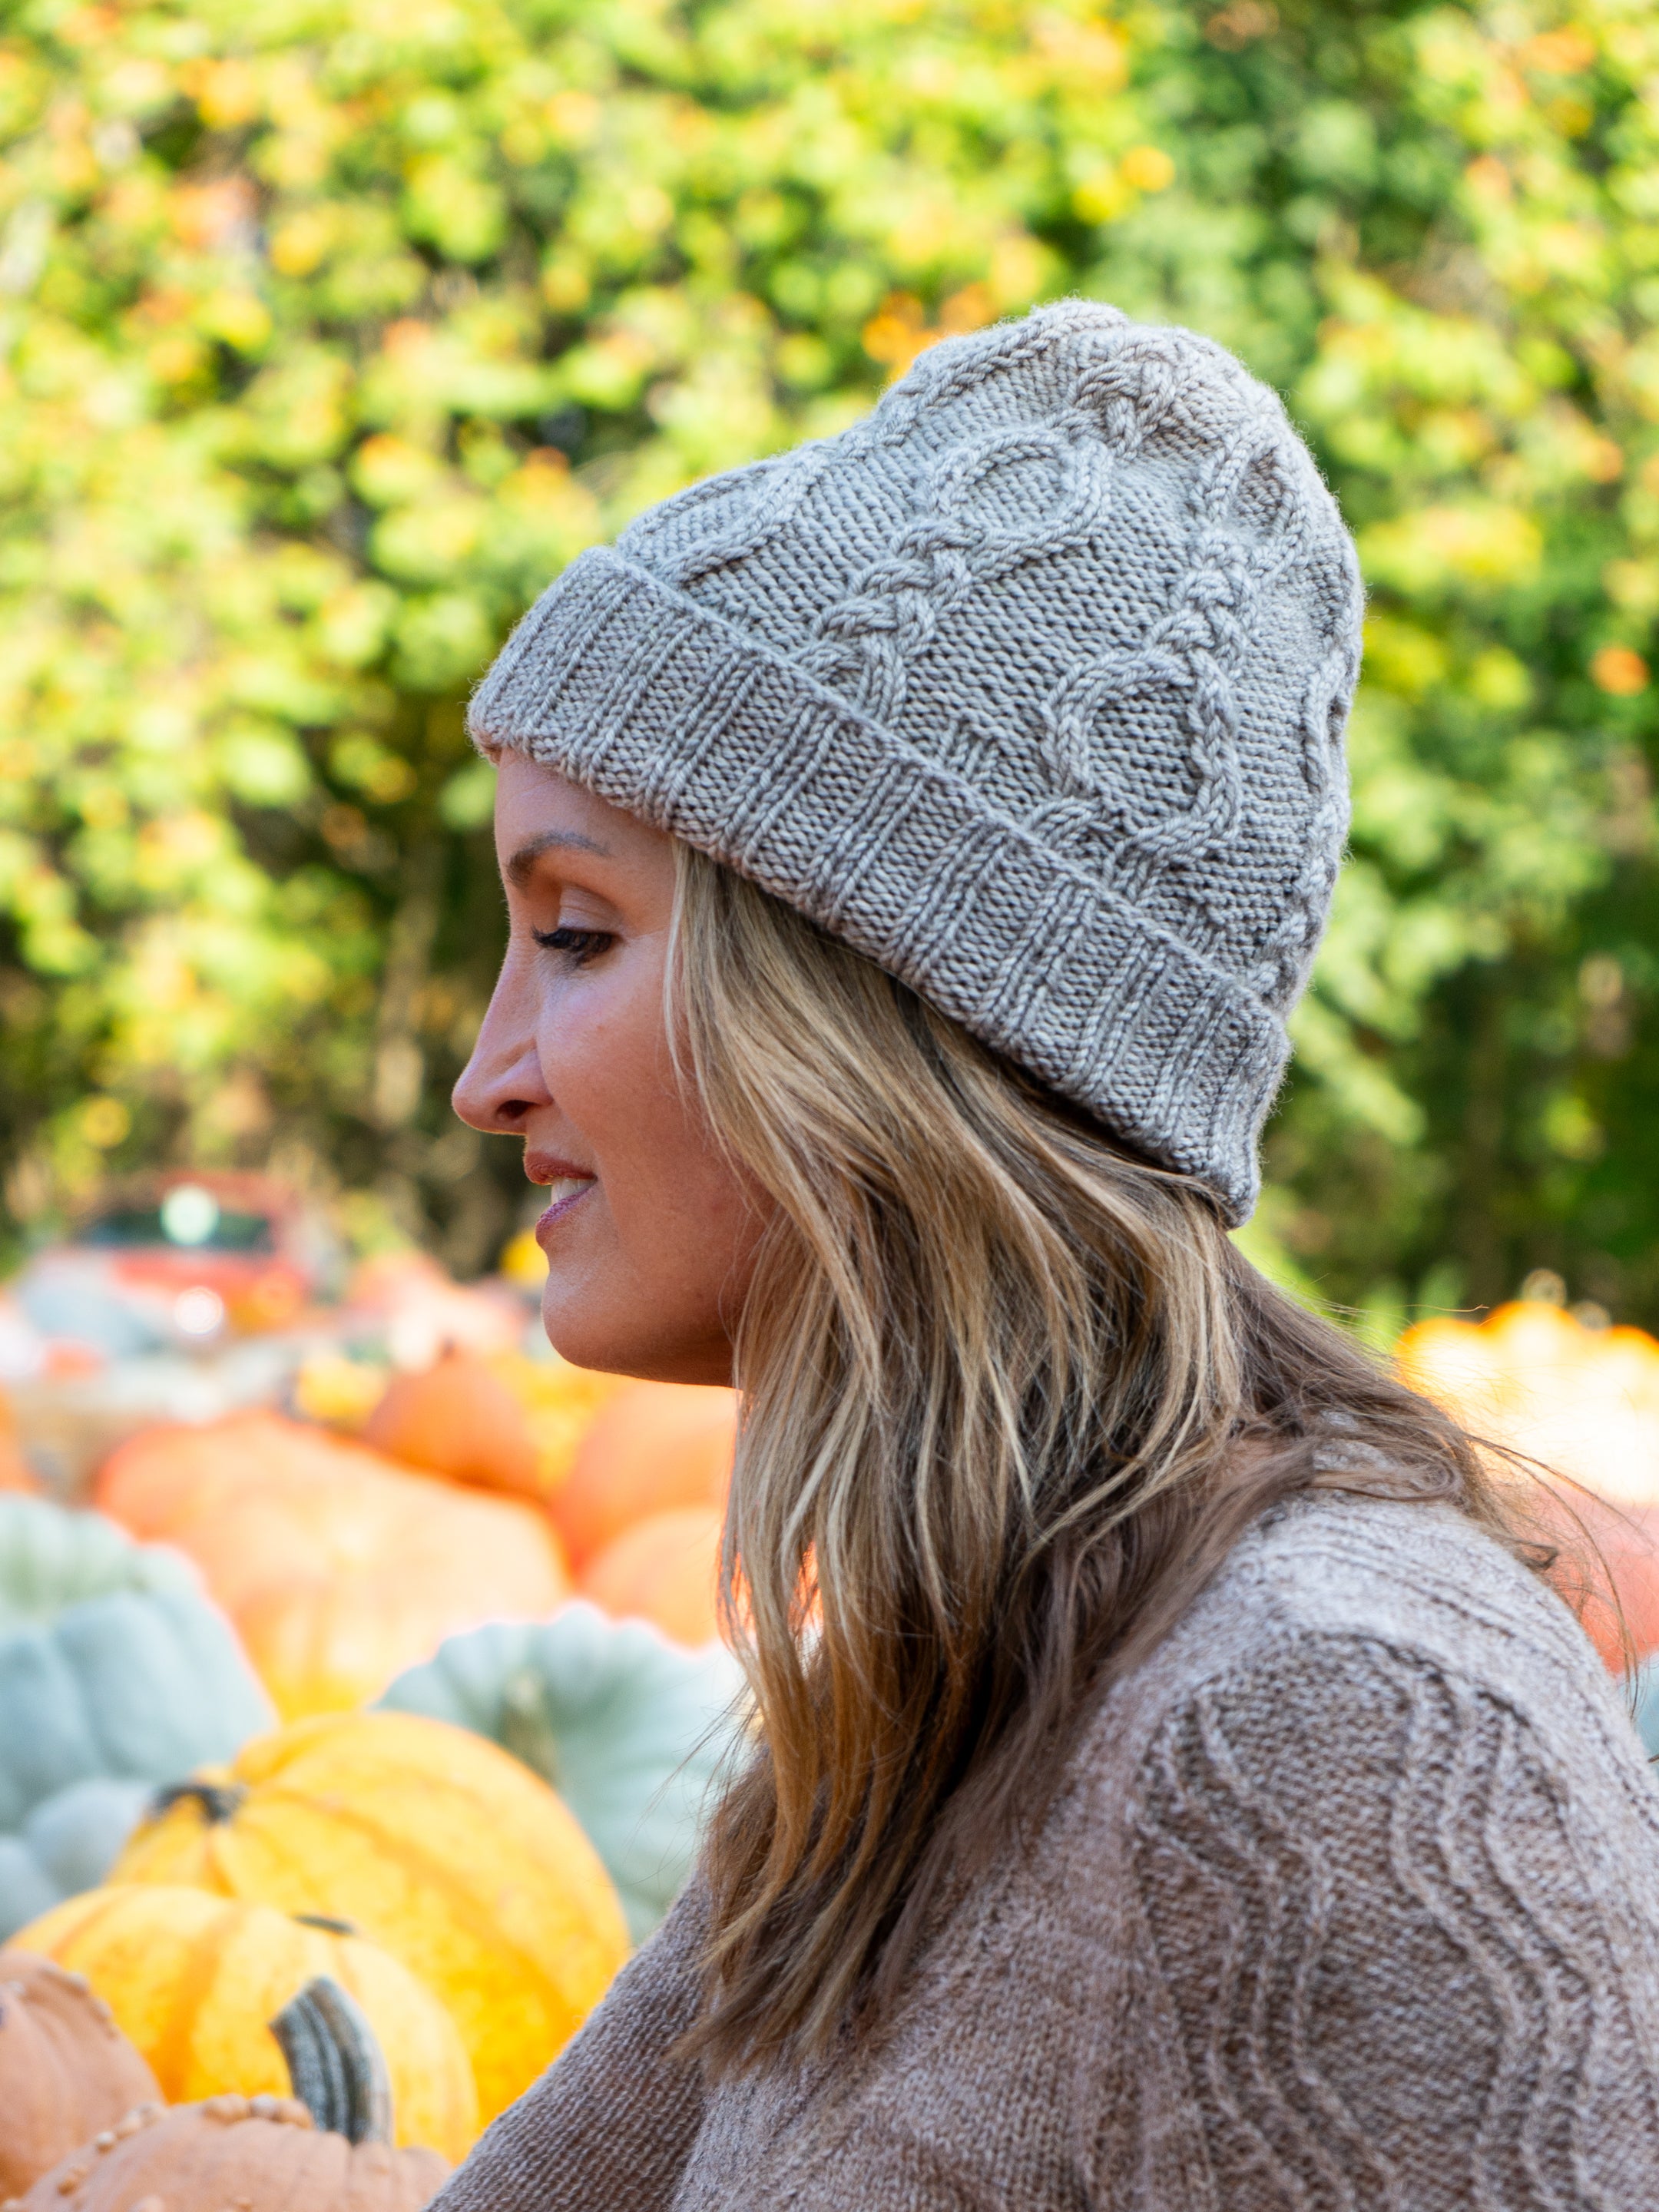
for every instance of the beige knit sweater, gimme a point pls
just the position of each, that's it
(1350, 1901)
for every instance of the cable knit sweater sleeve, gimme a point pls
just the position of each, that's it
(610, 2123)
(1401, 1949)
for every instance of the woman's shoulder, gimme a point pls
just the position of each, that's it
(1341, 1621)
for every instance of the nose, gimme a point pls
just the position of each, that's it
(503, 1084)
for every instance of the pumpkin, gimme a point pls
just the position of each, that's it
(252, 2154)
(69, 1842)
(16, 1474)
(663, 1569)
(338, 1568)
(440, 1846)
(193, 1979)
(505, 1423)
(1584, 1401)
(112, 1666)
(66, 2071)
(652, 1448)
(631, 1730)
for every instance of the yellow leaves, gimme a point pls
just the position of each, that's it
(104, 1122)
(1087, 54)
(1147, 169)
(460, 213)
(572, 117)
(609, 372)
(364, 764)
(241, 318)
(1478, 546)
(226, 93)
(301, 241)
(1565, 53)
(1402, 657)
(1115, 188)
(1634, 585)
(389, 472)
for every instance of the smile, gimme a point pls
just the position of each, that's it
(563, 1192)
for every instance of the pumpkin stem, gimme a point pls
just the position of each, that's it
(220, 1801)
(335, 2062)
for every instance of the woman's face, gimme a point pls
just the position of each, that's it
(649, 1236)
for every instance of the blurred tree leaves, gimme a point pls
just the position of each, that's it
(332, 329)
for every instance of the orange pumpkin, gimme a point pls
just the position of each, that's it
(1584, 1403)
(653, 1448)
(15, 1473)
(255, 2153)
(338, 1568)
(663, 1569)
(505, 1422)
(66, 2071)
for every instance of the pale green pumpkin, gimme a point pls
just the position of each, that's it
(116, 1674)
(632, 1731)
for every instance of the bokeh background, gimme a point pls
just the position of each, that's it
(332, 329)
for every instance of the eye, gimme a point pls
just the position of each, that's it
(574, 946)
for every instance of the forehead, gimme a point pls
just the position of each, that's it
(539, 811)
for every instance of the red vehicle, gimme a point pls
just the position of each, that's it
(195, 1253)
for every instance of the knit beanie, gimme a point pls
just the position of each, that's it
(1031, 686)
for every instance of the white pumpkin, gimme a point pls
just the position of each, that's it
(631, 1730)
(114, 1669)
(69, 1843)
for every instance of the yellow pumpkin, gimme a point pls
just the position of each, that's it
(442, 1848)
(193, 1981)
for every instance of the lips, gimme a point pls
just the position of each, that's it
(563, 1191)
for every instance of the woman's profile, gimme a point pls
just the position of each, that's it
(1175, 1787)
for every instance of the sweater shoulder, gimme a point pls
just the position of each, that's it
(1335, 1589)
(1419, 1580)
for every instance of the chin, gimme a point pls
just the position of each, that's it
(615, 1344)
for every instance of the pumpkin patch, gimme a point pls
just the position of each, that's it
(631, 1730)
(653, 1448)
(439, 1846)
(255, 2153)
(193, 1981)
(339, 1567)
(66, 2071)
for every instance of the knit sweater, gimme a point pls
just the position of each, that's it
(1349, 1900)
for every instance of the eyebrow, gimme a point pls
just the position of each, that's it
(522, 865)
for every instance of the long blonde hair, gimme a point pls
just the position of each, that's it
(1010, 1396)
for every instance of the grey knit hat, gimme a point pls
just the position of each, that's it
(1031, 686)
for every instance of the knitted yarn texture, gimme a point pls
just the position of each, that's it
(1031, 686)
(1349, 1902)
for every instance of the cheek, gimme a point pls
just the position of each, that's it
(669, 1200)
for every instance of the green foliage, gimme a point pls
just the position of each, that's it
(332, 330)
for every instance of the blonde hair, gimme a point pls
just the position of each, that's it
(1010, 1396)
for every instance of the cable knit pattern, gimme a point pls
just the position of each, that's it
(1031, 685)
(1350, 1904)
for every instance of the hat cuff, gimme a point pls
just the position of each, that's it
(670, 712)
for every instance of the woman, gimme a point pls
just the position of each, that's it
(1175, 1787)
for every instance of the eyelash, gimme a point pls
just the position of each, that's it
(578, 946)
